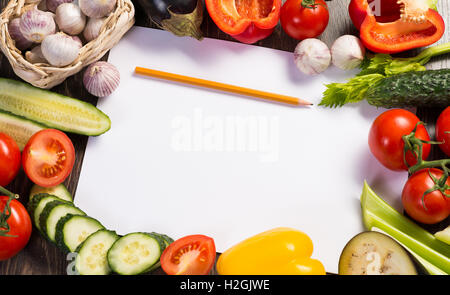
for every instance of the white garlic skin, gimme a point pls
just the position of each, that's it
(101, 79)
(312, 56)
(78, 40)
(60, 49)
(92, 29)
(347, 52)
(70, 19)
(21, 42)
(35, 25)
(97, 8)
(35, 55)
(52, 5)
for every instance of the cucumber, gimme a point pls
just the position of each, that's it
(59, 191)
(422, 89)
(18, 128)
(72, 230)
(37, 205)
(92, 253)
(51, 109)
(134, 254)
(52, 213)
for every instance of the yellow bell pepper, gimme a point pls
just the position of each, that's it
(281, 251)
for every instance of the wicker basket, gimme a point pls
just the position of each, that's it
(46, 76)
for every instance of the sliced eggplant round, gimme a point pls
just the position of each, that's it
(374, 253)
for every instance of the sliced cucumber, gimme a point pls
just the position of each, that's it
(59, 191)
(52, 213)
(51, 109)
(167, 240)
(134, 254)
(37, 205)
(92, 253)
(18, 128)
(72, 230)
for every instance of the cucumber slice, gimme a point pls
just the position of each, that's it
(18, 128)
(59, 191)
(72, 230)
(134, 254)
(37, 205)
(51, 109)
(92, 254)
(52, 213)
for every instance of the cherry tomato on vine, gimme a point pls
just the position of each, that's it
(9, 159)
(385, 138)
(443, 131)
(302, 19)
(191, 255)
(430, 208)
(19, 233)
(48, 157)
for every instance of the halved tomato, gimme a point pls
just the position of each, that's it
(191, 255)
(248, 21)
(48, 157)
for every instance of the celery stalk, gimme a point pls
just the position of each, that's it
(433, 254)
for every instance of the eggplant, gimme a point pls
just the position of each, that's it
(181, 17)
(375, 253)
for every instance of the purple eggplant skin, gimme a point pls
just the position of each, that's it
(181, 17)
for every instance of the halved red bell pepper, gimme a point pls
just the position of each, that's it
(392, 26)
(248, 21)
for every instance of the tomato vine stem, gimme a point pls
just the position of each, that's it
(4, 216)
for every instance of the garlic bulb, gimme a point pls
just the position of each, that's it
(70, 19)
(97, 8)
(14, 31)
(78, 40)
(35, 55)
(347, 52)
(312, 56)
(52, 5)
(92, 29)
(101, 79)
(35, 25)
(60, 49)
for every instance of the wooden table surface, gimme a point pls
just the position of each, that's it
(42, 257)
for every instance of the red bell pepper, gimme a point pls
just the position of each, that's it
(247, 21)
(392, 26)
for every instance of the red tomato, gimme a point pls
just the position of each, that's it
(385, 138)
(19, 228)
(9, 159)
(302, 19)
(48, 157)
(443, 131)
(434, 207)
(191, 255)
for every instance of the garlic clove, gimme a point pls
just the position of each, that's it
(35, 55)
(21, 42)
(78, 40)
(52, 5)
(312, 56)
(347, 52)
(97, 8)
(60, 49)
(93, 27)
(70, 19)
(35, 25)
(101, 79)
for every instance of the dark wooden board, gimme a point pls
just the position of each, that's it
(43, 258)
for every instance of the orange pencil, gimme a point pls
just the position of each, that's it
(223, 87)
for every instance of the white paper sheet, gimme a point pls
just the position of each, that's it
(182, 160)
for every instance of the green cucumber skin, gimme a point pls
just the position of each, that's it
(34, 202)
(422, 89)
(59, 234)
(152, 267)
(26, 88)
